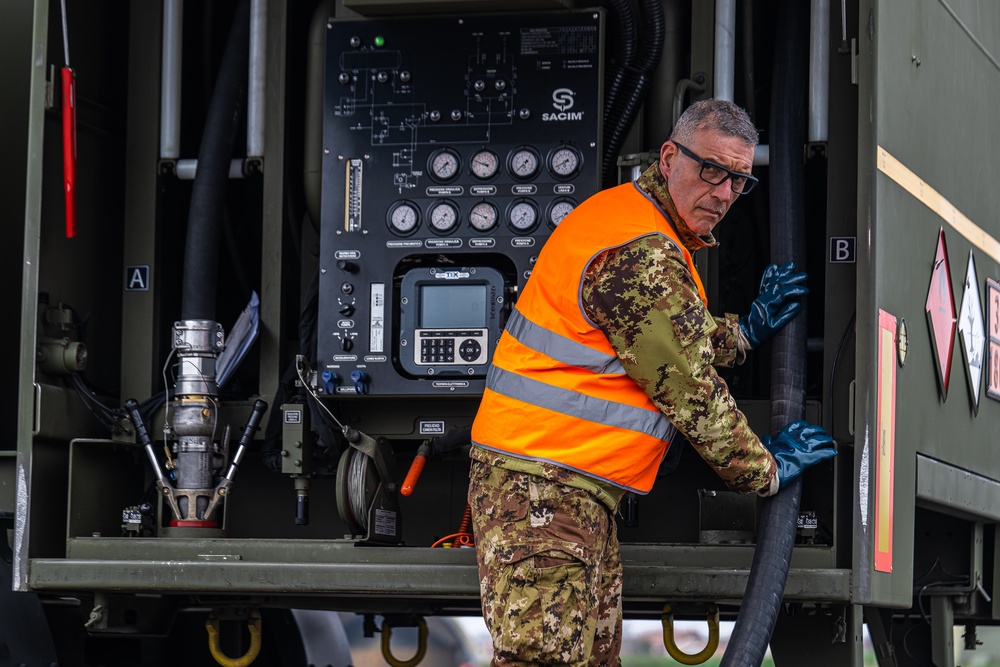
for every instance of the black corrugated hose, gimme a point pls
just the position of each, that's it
(620, 113)
(779, 517)
(622, 22)
(208, 193)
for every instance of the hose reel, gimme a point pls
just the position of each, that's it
(367, 493)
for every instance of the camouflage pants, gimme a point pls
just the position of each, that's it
(550, 570)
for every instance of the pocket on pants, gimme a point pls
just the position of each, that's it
(541, 610)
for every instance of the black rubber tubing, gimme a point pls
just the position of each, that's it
(779, 516)
(208, 193)
(623, 21)
(636, 84)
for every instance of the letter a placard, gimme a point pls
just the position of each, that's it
(137, 278)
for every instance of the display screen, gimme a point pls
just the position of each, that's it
(452, 306)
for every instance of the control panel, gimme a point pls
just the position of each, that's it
(445, 168)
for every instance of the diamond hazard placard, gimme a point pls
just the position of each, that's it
(972, 332)
(941, 315)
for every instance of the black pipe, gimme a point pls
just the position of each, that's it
(624, 30)
(208, 193)
(622, 111)
(779, 517)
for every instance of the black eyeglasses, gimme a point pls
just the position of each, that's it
(715, 174)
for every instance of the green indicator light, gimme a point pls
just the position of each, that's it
(379, 40)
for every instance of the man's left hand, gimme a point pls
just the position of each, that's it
(771, 310)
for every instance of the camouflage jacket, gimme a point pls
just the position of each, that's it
(643, 297)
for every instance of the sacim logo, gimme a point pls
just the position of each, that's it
(572, 115)
(562, 99)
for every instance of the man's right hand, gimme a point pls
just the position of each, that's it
(798, 446)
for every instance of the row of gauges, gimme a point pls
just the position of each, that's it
(523, 163)
(444, 215)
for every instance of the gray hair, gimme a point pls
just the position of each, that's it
(717, 116)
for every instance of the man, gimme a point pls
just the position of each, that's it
(607, 355)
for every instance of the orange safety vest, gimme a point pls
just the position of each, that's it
(556, 390)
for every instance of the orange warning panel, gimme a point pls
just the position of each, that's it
(885, 440)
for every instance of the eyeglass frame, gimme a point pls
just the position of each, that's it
(731, 175)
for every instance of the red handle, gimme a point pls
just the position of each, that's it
(413, 475)
(69, 147)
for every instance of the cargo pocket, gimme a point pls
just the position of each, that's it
(694, 323)
(542, 615)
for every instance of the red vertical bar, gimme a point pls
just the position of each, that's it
(69, 147)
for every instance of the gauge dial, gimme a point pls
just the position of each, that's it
(443, 165)
(403, 217)
(522, 216)
(483, 216)
(564, 161)
(559, 209)
(523, 163)
(443, 216)
(485, 164)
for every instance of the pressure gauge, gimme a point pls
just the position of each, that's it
(559, 209)
(485, 164)
(443, 165)
(522, 216)
(523, 163)
(403, 217)
(564, 161)
(483, 216)
(443, 216)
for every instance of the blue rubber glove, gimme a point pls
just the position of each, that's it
(769, 311)
(798, 446)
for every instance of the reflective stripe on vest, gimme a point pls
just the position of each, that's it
(561, 348)
(579, 405)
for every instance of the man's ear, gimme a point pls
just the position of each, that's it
(668, 157)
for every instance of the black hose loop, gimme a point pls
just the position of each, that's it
(779, 517)
(208, 193)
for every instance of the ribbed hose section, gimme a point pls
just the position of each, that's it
(623, 110)
(208, 193)
(779, 517)
(624, 26)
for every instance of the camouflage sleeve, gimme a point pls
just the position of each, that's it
(728, 342)
(643, 297)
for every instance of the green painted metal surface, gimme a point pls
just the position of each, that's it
(929, 85)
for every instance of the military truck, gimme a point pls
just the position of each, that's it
(258, 253)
